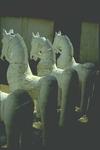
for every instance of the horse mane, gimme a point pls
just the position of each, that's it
(70, 43)
(51, 50)
(49, 42)
(22, 41)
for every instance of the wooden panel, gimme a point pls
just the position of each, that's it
(25, 26)
(44, 27)
(11, 23)
(89, 44)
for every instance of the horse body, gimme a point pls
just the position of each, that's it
(86, 71)
(16, 109)
(19, 75)
(42, 48)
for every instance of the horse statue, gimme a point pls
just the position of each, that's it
(42, 89)
(86, 72)
(16, 113)
(67, 79)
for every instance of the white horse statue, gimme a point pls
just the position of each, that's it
(19, 75)
(86, 71)
(16, 113)
(67, 79)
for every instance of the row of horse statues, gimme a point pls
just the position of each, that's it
(61, 86)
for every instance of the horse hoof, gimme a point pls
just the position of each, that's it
(83, 119)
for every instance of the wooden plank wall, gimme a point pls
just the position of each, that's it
(90, 43)
(24, 26)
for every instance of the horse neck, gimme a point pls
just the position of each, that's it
(18, 53)
(46, 64)
(19, 58)
(28, 70)
(48, 56)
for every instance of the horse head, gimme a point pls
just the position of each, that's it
(13, 47)
(57, 42)
(6, 40)
(39, 46)
(62, 43)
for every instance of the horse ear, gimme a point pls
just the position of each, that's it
(55, 33)
(4, 32)
(33, 34)
(11, 31)
(37, 34)
(59, 32)
(44, 38)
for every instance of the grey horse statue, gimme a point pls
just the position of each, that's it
(43, 90)
(62, 45)
(68, 83)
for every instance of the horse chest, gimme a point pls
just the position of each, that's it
(44, 68)
(61, 61)
(15, 72)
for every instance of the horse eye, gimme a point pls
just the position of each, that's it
(12, 34)
(60, 49)
(40, 52)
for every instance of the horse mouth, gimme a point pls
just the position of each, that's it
(58, 55)
(2, 57)
(34, 57)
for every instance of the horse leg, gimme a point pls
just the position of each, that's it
(26, 126)
(87, 83)
(12, 138)
(18, 110)
(70, 99)
(48, 109)
(70, 96)
(12, 130)
(59, 97)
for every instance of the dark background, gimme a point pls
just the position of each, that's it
(67, 15)
(59, 10)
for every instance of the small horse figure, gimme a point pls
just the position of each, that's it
(67, 79)
(86, 71)
(19, 75)
(16, 113)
